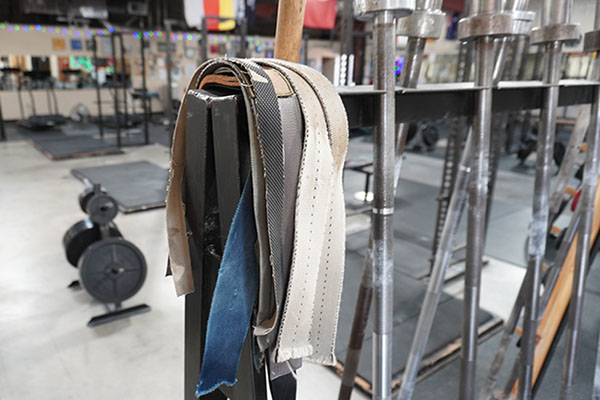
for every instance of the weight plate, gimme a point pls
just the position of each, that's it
(86, 195)
(112, 270)
(430, 136)
(102, 208)
(81, 235)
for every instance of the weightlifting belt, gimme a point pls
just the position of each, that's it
(315, 259)
(309, 321)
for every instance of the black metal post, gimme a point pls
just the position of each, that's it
(169, 81)
(124, 79)
(144, 90)
(305, 54)
(243, 29)
(204, 41)
(2, 128)
(116, 91)
(97, 85)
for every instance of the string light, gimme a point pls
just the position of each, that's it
(101, 32)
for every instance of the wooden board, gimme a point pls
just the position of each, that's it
(559, 301)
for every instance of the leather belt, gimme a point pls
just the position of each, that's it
(295, 318)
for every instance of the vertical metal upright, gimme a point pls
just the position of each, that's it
(521, 24)
(383, 187)
(383, 206)
(204, 41)
(555, 30)
(505, 68)
(347, 28)
(426, 22)
(242, 25)
(452, 156)
(144, 90)
(485, 22)
(123, 79)
(116, 90)
(169, 65)
(97, 85)
(305, 49)
(2, 129)
(587, 199)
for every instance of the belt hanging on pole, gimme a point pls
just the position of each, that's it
(318, 233)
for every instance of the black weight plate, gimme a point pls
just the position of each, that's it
(430, 136)
(102, 208)
(86, 195)
(80, 236)
(112, 270)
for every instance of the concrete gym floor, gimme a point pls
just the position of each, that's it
(47, 349)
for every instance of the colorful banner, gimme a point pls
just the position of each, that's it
(320, 14)
(219, 8)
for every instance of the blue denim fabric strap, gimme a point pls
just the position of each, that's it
(232, 302)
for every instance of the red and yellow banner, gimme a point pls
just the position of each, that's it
(219, 8)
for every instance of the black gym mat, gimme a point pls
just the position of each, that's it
(443, 384)
(156, 134)
(137, 186)
(59, 146)
(444, 342)
(414, 222)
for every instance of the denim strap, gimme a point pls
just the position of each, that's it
(232, 302)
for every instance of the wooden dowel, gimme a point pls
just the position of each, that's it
(288, 35)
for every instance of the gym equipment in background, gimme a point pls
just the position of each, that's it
(111, 269)
(40, 121)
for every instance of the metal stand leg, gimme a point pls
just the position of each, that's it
(590, 182)
(560, 11)
(476, 214)
(410, 77)
(539, 225)
(383, 208)
(484, 73)
(564, 175)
